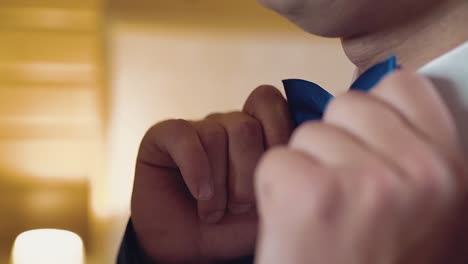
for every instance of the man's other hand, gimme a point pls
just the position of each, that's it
(193, 199)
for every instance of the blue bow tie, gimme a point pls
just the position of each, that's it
(308, 101)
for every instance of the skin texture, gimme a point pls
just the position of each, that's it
(345, 18)
(384, 183)
(371, 30)
(186, 223)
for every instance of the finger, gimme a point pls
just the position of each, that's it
(161, 191)
(365, 177)
(214, 140)
(418, 101)
(269, 106)
(388, 135)
(284, 177)
(296, 197)
(175, 144)
(332, 146)
(245, 141)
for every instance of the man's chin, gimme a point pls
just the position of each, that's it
(284, 7)
(316, 21)
(327, 28)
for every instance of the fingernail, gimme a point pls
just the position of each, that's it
(240, 208)
(214, 217)
(205, 192)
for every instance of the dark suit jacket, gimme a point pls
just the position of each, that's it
(131, 252)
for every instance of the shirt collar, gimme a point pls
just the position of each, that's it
(449, 73)
(453, 67)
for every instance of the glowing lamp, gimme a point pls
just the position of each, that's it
(48, 246)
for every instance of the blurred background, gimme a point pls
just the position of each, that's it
(82, 80)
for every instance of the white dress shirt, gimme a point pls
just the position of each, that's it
(450, 75)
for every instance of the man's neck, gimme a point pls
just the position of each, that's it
(415, 43)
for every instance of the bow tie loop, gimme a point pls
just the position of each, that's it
(308, 101)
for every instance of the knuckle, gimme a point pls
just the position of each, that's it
(399, 81)
(262, 97)
(357, 109)
(326, 199)
(150, 133)
(383, 190)
(304, 194)
(153, 150)
(342, 105)
(175, 124)
(173, 127)
(270, 180)
(426, 170)
(213, 134)
(306, 131)
(247, 127)
(212, 116)
(265, 92)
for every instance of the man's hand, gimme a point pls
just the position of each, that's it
(379, 180)
(193, 199)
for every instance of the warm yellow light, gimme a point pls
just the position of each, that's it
(48, 246)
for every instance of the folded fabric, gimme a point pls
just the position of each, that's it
(308, 101)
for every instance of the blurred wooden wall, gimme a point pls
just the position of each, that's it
(50, 113)
(188, 15)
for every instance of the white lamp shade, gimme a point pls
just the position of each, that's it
(48, 246)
